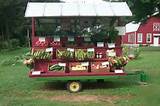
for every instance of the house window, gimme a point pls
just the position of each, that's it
(131, 38)
(148, 37)
(156, 26)
(140, 37)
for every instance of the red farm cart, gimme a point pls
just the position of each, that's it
(77, 40)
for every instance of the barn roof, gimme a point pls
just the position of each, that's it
(67, 9)
(132, 27)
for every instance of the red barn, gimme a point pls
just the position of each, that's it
(147, 33)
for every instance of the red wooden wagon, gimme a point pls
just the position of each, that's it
(70, 57)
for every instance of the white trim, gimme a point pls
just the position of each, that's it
(153, 45)
(141, 38)
(156, 41)
(156, 26)
(157, 34)
(135, 45)
(148, 35)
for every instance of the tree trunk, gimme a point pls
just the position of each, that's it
(29, 39)
(7, 31)
(2, 34)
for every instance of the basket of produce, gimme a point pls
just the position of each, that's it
(80, 54)
(65, 53)
(60, 67)
(90, 53)
(118, 62)
(78, 66)
(83, 54)
(42, 54)
(100, 66)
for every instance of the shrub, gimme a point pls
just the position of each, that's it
(14, 43)
(13, 61)
(9, 44)
(5, 45)
(136, 52)
(131, 51)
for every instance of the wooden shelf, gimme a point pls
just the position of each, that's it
(63, 74)
(74, 60)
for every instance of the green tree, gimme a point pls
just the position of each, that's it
(142, 9)
(11, 17)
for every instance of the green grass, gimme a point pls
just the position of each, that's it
(17, 89)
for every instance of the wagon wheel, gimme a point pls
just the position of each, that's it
(74, 86)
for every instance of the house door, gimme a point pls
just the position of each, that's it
(156, 41)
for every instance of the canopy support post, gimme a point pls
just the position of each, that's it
(33, 31)
(33, 27)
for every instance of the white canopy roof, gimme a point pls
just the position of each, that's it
(82, 1)
(131, 27)
(77, 9)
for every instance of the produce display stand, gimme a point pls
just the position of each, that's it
(48, 60)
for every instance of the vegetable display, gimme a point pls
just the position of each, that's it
(100, 66)
(118, 62)
(29, 63)
(65, 54)
(90, 54)
(80, 54)
(78, 66)
(56, 67)
(42, 54)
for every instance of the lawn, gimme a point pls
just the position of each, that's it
(17, 89)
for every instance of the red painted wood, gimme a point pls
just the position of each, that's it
(61, 74)
(118, 47)
(79, 40)
(42, 65)
(125, 38)
(74, 60)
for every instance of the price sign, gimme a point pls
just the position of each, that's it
(85, 64)
(71, 39)
(62, 64)
(36, 72)
(57, 38)
(118, 71)
(42, 39)
(111, 45)
(100, 44)
(105, 63)
(90, 49)
(70, 49)
(49, 49)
